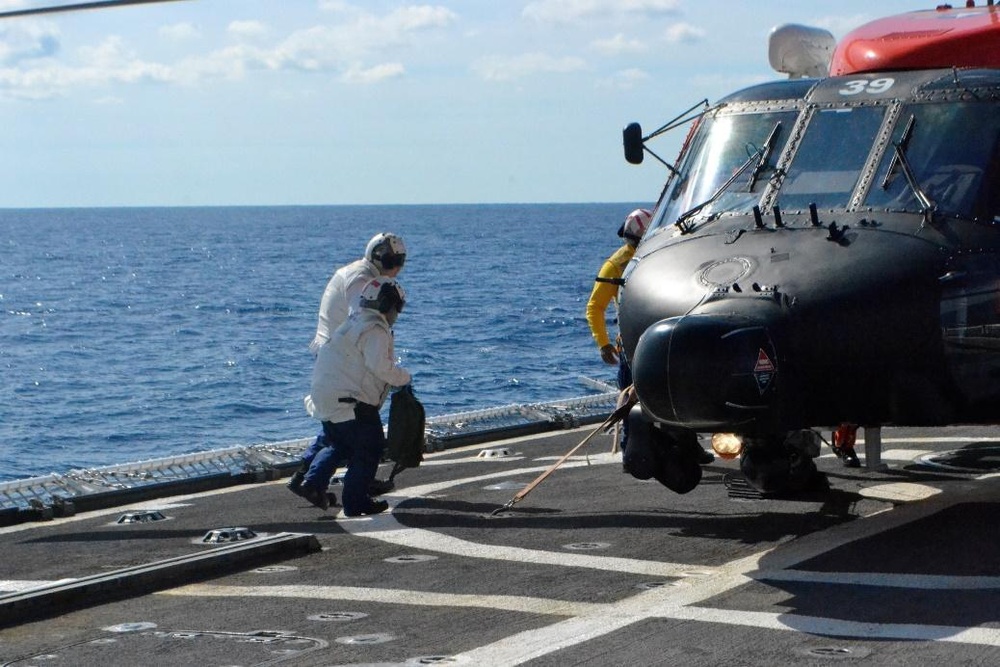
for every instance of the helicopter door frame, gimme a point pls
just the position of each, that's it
(883, 141)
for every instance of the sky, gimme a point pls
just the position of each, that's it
(316, 102)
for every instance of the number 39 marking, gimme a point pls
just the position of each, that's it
(873, 87)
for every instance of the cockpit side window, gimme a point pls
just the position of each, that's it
(829, 161)
(952, 149)
(721, 146)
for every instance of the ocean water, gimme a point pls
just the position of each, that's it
(135, 333)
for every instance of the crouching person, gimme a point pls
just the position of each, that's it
(353, 374)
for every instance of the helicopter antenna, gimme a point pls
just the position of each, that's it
(98, 4)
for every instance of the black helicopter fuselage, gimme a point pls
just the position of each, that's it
(828, 252)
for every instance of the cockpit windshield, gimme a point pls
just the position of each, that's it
(951, 147)
(829, 161)
(942, 158)
(722, 145)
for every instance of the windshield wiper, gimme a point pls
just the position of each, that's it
(759, 159)
(684, 217)
(902, 163)
(927, 205)
(765, 155)
(903, 144)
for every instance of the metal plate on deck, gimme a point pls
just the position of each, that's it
(977, 458)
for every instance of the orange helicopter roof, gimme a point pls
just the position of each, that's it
(936, 38)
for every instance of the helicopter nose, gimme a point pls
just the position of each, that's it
(707, 371)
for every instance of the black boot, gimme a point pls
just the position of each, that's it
(373, 507)
(380, 486)
(316, 497)
(295, 482)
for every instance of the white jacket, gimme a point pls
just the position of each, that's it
(357, 362)
(340, 298)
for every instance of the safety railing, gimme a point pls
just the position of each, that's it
(65, 494)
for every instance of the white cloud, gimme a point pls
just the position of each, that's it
(410, 18)
(33, 85)
(510, 68)
(617, 45)
(180, 31)
(342, 46)
(684, 32)
(565, 11)
(354, 47)
(357, 74)
(247, 29)
(108, 62)
(111, 61)
(27, 40)
(230, 63)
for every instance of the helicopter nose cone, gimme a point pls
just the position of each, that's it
(706, 371)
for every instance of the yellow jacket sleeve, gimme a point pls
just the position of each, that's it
(605, 292)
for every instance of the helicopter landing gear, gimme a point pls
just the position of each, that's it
(672, 457)
(782, 463)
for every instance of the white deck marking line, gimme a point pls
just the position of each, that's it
(389, 530)
(475, 459)
(673, 602)
(679, 601)
(590, 620)
(430, 489)
(518, 603)
(386, 528)
(19, 585)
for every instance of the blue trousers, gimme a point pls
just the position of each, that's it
(322, 449)
(312, 450)
(358, 442)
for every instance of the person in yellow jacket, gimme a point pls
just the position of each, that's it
(606, 285)
(605, 292)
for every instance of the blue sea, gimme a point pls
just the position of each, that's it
(135, 333)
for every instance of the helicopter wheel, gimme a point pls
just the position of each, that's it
(780, 463)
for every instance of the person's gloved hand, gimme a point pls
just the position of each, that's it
(609, 354)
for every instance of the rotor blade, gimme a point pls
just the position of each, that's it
(99, 4)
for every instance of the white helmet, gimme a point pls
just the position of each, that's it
(635, 225)
(383, 294)
(386, 251)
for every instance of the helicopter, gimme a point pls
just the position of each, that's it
(824, 253)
